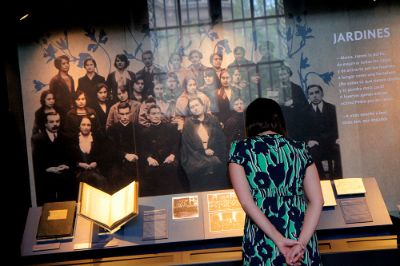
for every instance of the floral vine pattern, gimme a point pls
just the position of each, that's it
(296, 38)
(62, 45)
(99, 38)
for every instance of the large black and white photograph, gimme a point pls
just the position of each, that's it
(161, 103)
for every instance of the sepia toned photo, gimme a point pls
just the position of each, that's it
(185, 207)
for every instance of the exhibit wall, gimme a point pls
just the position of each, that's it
(351, 56)
(168, 156)
(360, 46)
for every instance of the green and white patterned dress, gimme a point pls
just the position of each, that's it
(275, 167)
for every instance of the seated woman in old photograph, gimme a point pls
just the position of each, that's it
(203, 149)
(88, 154)
(159, 150)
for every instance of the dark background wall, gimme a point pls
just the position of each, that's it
(46, 16)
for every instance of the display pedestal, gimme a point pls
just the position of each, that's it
(188, 241)
(102, 238)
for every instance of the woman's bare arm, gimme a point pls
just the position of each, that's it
(313, 192)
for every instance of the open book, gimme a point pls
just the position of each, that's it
(109, 211)
(327, 193)
(348, 186)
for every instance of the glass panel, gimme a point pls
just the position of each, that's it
(204, 12)
(171, 12)
(280, 7)
(227, 7)
(150, 9)
(270, 7)
(194, 12)
(237, 9)
(246, 9)
(259, 8)
(159, 13)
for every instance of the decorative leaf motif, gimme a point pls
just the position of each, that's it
(62, 44)
(129, 55)
(138, 48)
(212, 35)
(154, 39)
(327, 77)
(303, 31)
(92, 47)
(224, 45)
(103, 37)
(38, 85)
(82, 57)
(304, 62)
(91, 33)
(294, 46)
(181, 51)
(289, 35)
(49, 52)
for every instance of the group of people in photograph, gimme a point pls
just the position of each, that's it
(169, 127)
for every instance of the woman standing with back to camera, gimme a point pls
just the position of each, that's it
(278, 186)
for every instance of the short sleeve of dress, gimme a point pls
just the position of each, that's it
(236, 153)
(307, 156)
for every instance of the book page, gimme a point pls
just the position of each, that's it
(348, 186)
(95, 204)
(327, 193)
(123, 203)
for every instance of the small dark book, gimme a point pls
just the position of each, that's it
(57, 220)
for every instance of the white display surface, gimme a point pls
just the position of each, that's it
(191, 229)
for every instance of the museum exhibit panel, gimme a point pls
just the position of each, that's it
(127, 115)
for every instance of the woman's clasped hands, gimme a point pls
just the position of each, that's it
(292, 250)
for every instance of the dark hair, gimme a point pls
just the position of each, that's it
(172, 55)
(148, 52)
(122, 89)
(153, 106)
(123, 58)
(101, 85)
(173, 75)
(224, 70)
(237, 48)
(57, 61)
(314, 86)
(150, 99)
(186, 81)
(220, 55)
(195, 99)
(43, 96)
(78, 93)
(138, 77)
(123, 105)
(264, 114)
(287, 69)
(87, 117)
(195, 52)
(210, 72)
(49, 114)
(90, 59)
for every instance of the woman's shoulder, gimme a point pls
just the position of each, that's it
(243, 142)
(300, 144)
